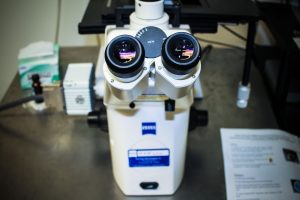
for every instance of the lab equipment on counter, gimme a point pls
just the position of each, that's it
(78, 89)
(146, 74)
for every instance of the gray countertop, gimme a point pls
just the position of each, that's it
(50, 155)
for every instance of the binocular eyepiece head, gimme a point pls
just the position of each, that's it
(176, 69)
(124, 56)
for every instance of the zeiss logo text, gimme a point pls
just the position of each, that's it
(148, 128)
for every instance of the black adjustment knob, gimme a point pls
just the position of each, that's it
(37, 87)
(170, 105)
(98, 119)
(197, 118)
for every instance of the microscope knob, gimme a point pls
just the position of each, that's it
(98, 119)
(198, 118)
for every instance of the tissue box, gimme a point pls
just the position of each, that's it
(39, 58)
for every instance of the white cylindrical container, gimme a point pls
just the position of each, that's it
(147, 9)
(243, 96)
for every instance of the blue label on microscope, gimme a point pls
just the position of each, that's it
(149, 157)
(296, 185)
(148, 128)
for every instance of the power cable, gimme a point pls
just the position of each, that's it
(220, 43)
(59, 2)
(37, 98)
(205, 53)
(234, 33)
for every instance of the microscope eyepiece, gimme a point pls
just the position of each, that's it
(181, 52)
(124, 56)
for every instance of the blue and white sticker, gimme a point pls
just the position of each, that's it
(148, 128)
(149, 157)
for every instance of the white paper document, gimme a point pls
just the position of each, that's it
(261, 164)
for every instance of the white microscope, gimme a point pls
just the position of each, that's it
(150, 69)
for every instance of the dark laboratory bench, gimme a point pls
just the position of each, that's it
(50, 155)
(280, 64)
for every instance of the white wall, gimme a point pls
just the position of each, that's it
(72, 12)
(23, 22)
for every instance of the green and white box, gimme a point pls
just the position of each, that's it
(39, 58)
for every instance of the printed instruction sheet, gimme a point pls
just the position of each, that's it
(261, 164)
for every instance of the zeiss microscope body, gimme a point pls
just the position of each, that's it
(150, 70)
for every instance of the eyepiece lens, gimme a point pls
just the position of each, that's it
(182, 49)
(124, 56)
(124, 51)
(180, 53)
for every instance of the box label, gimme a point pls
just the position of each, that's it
(149, 157)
